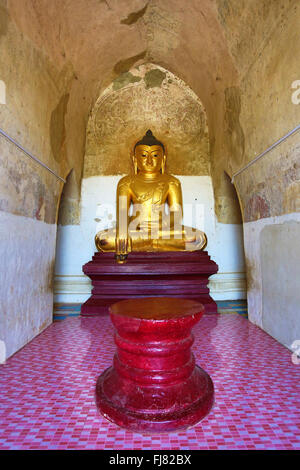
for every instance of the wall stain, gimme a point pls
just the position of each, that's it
(39, 212)
(232, 122)
(57, 127)
(223, 10)
(154, 78)
(251, 275)
(291, 199)
(134, 16)
(49, 284)
(125, 79)
(42, 326)
(126, 64)
(4, 18)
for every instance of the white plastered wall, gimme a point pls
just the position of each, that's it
(27, 253)
(272, 251)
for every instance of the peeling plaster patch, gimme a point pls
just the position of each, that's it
(257, 208)
(125, 65)
(276, 178)
(154, 78)
(124, 80)
(135, 16)
(291, 200)
(40, 213)
(23, 192)
(57, 127)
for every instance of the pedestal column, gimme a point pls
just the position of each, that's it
(154, 384)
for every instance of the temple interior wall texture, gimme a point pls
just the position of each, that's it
(232, 62)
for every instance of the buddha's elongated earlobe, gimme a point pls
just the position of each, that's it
(135, 165)
(163, 164)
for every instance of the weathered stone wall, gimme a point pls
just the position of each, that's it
(38, 112)
(266, 112)
(32, 94)
(259, 111)
(28, 193)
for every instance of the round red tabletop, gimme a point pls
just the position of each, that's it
(156, 308)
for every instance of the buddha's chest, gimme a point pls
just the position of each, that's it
(154, 192)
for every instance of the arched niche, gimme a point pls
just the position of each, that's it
(147, 97)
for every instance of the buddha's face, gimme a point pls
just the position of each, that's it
(149, 159)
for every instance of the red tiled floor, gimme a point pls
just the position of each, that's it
(47, 390)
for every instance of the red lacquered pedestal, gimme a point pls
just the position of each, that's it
(154, 384)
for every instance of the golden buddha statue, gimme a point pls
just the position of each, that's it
(149, 227)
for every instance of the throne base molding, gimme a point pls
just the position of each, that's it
(178, 274)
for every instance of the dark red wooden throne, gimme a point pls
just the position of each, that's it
(145, 274)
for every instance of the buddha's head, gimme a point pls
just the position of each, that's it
(149, 155)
